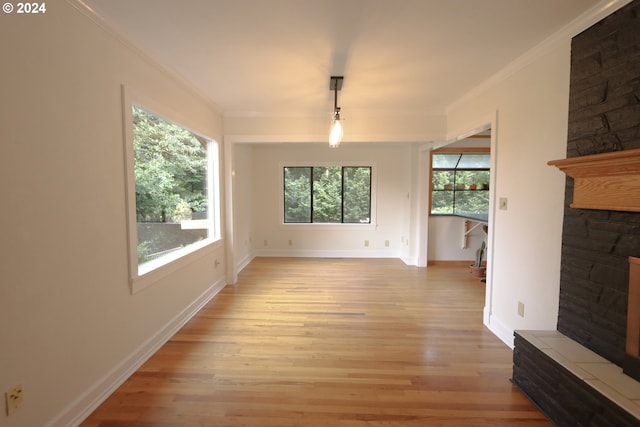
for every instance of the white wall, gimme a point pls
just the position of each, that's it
(531, 128)
(362, 131)
(446, 238)
(358, 127)
(243, 204)
(257, 206)
(69, 326)
(392, 173)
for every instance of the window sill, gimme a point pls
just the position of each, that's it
(154, 271)
(479, 217)
(327, 226)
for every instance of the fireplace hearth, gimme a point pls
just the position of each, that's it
(598, 304)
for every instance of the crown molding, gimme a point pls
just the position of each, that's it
(112, 29)
(573, 28)
(324, 139)
(329, 113)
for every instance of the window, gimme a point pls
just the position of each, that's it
(327, 194)
(460, 184)
(172, 196)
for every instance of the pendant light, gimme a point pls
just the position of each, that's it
(335, 137)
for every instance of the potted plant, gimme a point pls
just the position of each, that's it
(478, 269)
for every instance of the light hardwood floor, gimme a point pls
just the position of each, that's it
(330, 343)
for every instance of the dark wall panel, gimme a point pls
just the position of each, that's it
(604, 116)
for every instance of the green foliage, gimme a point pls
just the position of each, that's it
(339, 194)
(480, 255)
(357, 195)
(297, 194)
(170, 169)
(459, 198)
(327, 194)
(182, 211)
(144, 250)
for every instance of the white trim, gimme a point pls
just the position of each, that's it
(244, 262)
(322, 253)
(486, 125)
(229, 198)
(411, 261)
(419, 251)
(487, 122)
(373, 202)
(576, 26)
(328, 114)
(324, 139)
(142, 276)
(486, 315)
(176, 261)
(501, 330)
(112, 29)
(88, 401)
(495, 152)
(326, 226)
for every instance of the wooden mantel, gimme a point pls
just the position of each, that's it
(607, 181)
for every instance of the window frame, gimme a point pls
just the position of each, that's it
(140, 278)
(452, 150)
(330, 225)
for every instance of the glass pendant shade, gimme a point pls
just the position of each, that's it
(335, 137)
(336, 133)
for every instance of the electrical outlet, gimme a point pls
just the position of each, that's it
(290, 242)
(266, 243)
(520, 309)
(366, 243)
(386, 243)
(14, 398)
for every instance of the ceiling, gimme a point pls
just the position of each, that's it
(275, 57)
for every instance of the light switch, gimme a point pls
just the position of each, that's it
(502, 203)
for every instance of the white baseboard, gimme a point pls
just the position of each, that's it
(87, 402)
(499, 329)
(314, 253)
(486, 315)
(244, 262)
(412, 261)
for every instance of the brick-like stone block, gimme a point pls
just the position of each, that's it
(562, 397)
(604, 116)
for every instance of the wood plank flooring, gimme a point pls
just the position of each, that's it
(330, 342)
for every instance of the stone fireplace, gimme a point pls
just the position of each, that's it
(611, 182)
(569, 372)
(631, 363)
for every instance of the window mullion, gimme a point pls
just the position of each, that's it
(311, 181)
(325, 207)
(342, 195)
(455, 182)
(455, 186)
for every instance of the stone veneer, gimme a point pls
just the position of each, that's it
(571, 384)
(604, 116)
